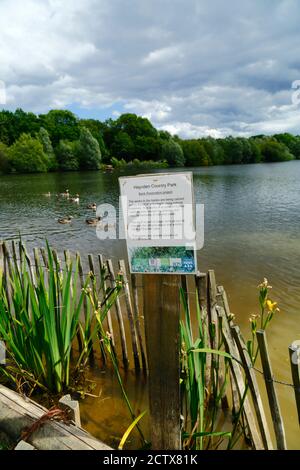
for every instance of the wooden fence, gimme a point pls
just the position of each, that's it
(126, 327)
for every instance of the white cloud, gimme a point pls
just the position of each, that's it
(191, 67)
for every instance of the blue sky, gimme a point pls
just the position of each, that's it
(194, 67)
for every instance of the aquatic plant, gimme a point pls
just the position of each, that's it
(199, 405)
(39, 319)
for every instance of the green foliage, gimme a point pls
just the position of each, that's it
(67, 156)
(136, 163)
(172, 153)
(13, 125)
(195, 153)
(38, 328)
(61, 124)
(89, 154)
(274, 151)
(123, 146)
(27, 155)
(199, 403)
(96, 128)
(4, 158)
(42, 318)
(44, 138)
(131, 138)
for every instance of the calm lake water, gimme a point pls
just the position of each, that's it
(252, 227)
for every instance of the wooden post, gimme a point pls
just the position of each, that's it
(272, 395)
(294, 352)
(134, 339)
(137, 319)
(103, 272)
(72, 406)
(162, 314)
(231, 348)
(251, 378)
(200, 279)
(95, 298)
(119, 315)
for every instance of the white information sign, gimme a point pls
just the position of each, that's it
(159, 222)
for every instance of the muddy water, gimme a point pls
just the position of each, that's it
(252, 227)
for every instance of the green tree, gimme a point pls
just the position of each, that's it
(44, 138)
(135, 126)
(214, 150)
(96, 128)
(26, 155)
(123, 147)
(274, 151)
(89, 154)
(67, 156)
(4, 158)
(61, 125)
(172, 153)
(148, 148)
(194, 153)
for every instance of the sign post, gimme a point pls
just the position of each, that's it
(159, 225)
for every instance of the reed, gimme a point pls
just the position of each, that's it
(199, 405)
(40, 317)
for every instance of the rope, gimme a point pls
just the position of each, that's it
(280, 382)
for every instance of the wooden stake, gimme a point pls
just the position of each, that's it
(119, 315)
(162, 314)
(272, 395)
(294, 352)
(251, 378)
(231, 348)
(137, 322)
(103, 270)
(134, 339)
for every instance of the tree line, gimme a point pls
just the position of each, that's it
(60, 141)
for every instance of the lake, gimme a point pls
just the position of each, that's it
(252, 227)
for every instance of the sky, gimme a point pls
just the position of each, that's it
(193, 67)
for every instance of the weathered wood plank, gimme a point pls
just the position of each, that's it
(162, 313)
(231, 348)
(294, 352)
(119, 315)
(272, 395)
(134, 340)
(16, 413)
(136, 313)
(103, 271)
(72, 406)
(201, 286)
(251, 378)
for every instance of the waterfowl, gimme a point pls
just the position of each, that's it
(92, 206)
(75, 199)
(93, 221)
(65, 220)
(47, 194)
(65, 194)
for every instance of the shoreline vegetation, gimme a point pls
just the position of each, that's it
(60, 141)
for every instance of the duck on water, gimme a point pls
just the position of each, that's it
(65, 220)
